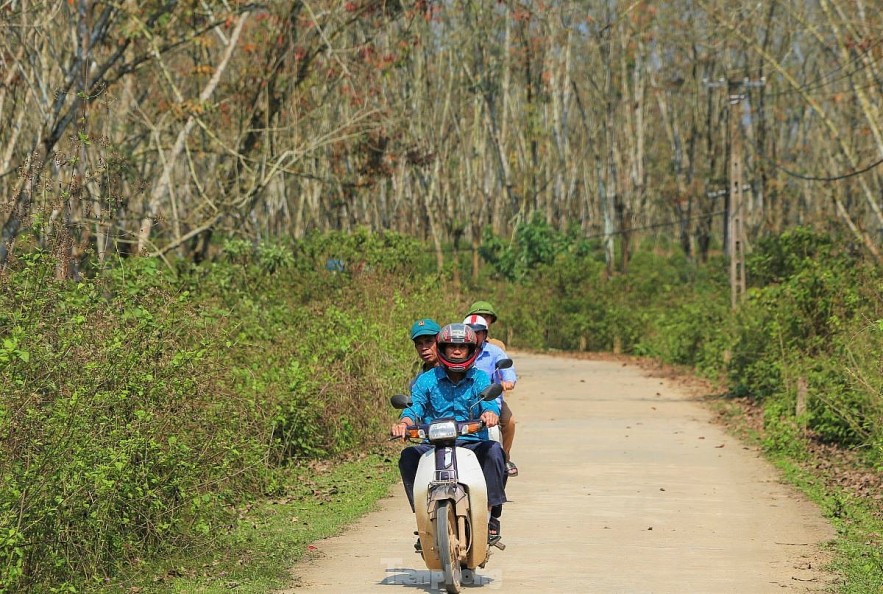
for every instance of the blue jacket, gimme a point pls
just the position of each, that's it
(435, 396)
(487, 360)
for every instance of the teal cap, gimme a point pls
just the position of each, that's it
(424, 327)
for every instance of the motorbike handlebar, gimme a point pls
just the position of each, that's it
(420, 431)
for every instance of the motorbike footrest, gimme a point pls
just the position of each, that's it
(496, 542)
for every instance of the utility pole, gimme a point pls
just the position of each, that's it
(734, 235)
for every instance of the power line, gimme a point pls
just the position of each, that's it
(802, 176)
(705, 215)
(831, 76)
(762, 116)
(829, 179)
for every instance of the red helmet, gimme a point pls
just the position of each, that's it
(457, 334)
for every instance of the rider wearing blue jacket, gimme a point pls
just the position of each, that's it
(435, 396)
(488, 355)
(452, 390)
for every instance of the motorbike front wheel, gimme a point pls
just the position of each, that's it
(448, 545)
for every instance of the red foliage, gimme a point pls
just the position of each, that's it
(522, 15)
(431, 13)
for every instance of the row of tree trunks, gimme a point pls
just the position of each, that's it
(157, 128)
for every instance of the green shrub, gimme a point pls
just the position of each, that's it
(362, 250)
(848, 389)
(781, 431)
(778, 258)
(534, 243)
(838, 413)
(111, 432)
(695, 333)
(810, 292)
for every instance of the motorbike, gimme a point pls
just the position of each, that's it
(453, 523)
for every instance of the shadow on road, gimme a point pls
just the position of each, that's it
(423, 580)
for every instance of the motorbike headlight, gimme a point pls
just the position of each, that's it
(443, 430)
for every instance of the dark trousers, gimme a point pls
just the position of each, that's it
(489, 453)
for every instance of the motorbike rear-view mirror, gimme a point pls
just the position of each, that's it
(504, 364)
(491, 392)
(400, 401)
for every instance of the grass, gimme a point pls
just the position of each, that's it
(255, 555)
(857, 557)
(857, 551)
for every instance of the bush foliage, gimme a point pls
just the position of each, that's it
(141, 404)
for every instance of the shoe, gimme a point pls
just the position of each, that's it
(511, 469)
(493, 530)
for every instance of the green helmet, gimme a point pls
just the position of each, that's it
(484, 309)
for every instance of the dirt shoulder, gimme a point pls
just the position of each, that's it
(627, 485)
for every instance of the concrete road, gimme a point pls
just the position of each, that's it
(625, 486)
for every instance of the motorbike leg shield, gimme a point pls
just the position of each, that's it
(470, 495)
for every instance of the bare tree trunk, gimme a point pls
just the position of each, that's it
(608, 198)
(497, 217)
(163, 185)
(429, 191)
